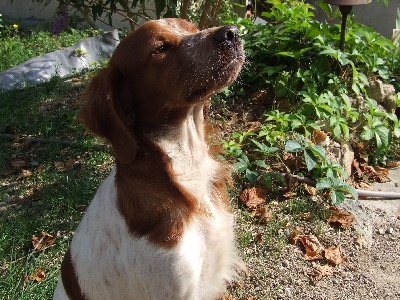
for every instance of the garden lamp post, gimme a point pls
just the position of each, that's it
(345, 7)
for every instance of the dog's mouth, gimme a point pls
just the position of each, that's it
(222, 74)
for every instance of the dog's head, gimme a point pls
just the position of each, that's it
(156, 74)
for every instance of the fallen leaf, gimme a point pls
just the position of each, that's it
(306, 216)
(59, 165)
(69, 163)
(334, 255)
(365, 186)
(38, 275)
(392, 164)
(312, 247)
(372, 174)
(340, 217)
(289, 194)
(24, 174)
(318, 136)
(252, 197)
(294, 237)
(321, 271)
(263, 213)
(310, 189)
(42, 241)
(259, 237)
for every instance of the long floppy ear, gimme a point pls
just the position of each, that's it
(106, 113)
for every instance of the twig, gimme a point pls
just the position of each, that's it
(361, 193)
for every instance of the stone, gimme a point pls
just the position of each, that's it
(83, 55)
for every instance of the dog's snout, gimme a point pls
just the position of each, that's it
(227, 34)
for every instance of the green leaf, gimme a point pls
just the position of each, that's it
(323, 183)
(326, 8)
(367, 133)
(337, 197)
(260, 163)
(384, 136)
(160, 6)
(240, 166)
(350, 190)
(293, 146)
(310, 159)
(251, 175)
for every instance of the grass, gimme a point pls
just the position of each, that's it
(46, 185)
(18, 44)
(43, 186)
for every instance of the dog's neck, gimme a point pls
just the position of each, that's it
(185, 142)
(175, 162)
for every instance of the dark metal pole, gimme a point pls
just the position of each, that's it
(344, 10)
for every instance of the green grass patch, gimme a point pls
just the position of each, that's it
(48, 175)
(19, 45)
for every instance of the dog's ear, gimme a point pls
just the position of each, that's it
(107, 113)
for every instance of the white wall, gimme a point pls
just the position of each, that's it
(27, 9)
(376, 15)
(381, 18)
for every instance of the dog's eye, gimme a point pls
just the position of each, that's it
(162, 48)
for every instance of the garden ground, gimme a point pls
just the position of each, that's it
(46, 186)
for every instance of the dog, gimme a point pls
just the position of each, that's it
(159, 227)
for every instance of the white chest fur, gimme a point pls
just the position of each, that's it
(112, 264)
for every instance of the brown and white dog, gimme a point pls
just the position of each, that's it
(159, 227)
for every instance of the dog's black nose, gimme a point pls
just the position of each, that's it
(227, 34)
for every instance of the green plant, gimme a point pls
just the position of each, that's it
(18, 44)
(337, 189)
(205, 13)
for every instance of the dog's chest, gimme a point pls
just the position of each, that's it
(112, 264)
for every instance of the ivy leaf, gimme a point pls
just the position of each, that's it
(367, 134)
(337, 197)
(311, 160)
(382, 134)
(293, 146)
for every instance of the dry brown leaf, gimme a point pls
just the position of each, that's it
(289, 194)
(263, 213)
(334, 255)
(318, 136)
(392, 164)
(38, 275)
(59, 164)
(259, 237)
(373, 174)
(306, 216)
(321, 271)
(340, 217)
(294, 237)
(69, 163)
(24, 174)
(42, 241)
(365, 186)
(252, 197)
(310, 189)
(312, 247)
